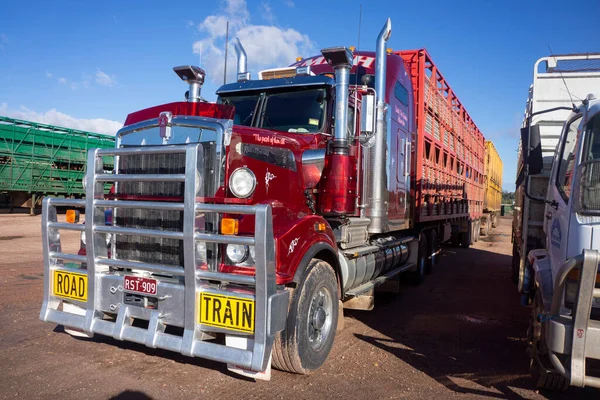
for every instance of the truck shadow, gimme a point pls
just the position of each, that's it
(464, 327)
(158, 356)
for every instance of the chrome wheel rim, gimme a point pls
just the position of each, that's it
(320, 315)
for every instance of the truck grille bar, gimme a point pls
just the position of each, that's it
(185, 282)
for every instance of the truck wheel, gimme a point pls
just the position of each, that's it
(433, 250)
(516, 261)
(473, 226)
(418, 276)
(495, 221)
(306, 340)
(485, 227)
(540, 365)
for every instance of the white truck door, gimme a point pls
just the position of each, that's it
(558, 212)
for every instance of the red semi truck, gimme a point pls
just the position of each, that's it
(238, 231)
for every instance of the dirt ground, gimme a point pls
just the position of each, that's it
(461, 334)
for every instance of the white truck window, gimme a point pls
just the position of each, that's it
(567, 160)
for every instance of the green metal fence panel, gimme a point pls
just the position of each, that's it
(40, 158)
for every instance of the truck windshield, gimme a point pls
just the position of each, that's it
(593, 137)
(301, 111)
(245, 107)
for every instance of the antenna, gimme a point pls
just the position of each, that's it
(562, 77)
(358, 44)
(200, 56)
(226, 45)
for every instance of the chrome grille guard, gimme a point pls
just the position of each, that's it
(180, 307)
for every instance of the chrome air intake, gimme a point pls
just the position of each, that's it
(242, 61)
(340, 58)
(375, 171)
(194, 76)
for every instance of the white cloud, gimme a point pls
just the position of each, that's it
(267, 12)
(62, 81)
(54, 117)
(102, 78)
(289, 3)
(49, 74)
(267, 46)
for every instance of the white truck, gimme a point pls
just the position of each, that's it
(556, 227)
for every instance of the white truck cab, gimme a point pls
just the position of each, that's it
(562, 277)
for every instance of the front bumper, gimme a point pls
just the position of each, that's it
(571, 337)
(106, 311)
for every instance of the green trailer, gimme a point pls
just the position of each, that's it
(37, 160)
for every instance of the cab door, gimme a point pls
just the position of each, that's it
(558, 210)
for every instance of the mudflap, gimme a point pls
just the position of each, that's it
(246, 343)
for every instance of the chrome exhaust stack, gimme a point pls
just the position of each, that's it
(242, 61)
(194, 76)
(376, 171)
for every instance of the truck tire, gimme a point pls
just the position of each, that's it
(495, 221)
(434, 247)
(473, 236)
(485, 227)
(418, 276)
(540, 366)
(515, 264)
(307, 338)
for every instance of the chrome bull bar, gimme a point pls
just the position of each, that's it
(180, 307)
(576, 336)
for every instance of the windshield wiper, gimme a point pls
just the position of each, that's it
(248, 117)
(267, 119)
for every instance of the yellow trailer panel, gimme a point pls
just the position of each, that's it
(493, 178)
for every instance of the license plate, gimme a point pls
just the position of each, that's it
(227, 312)
(140, 285)
(70, 285)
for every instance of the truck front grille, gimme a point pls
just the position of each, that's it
(153, 249)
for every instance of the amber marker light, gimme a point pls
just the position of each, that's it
(229, 226)
(320, 227)
(72, 216)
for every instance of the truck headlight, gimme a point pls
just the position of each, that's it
(242, 182)
(237, 253)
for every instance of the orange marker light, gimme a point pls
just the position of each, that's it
(72, 216)
(229, 226)
(320, 227)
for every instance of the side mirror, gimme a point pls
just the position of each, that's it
(531, 146)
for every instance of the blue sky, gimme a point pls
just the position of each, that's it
(88, 64)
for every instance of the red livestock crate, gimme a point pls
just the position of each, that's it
(448, 160)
